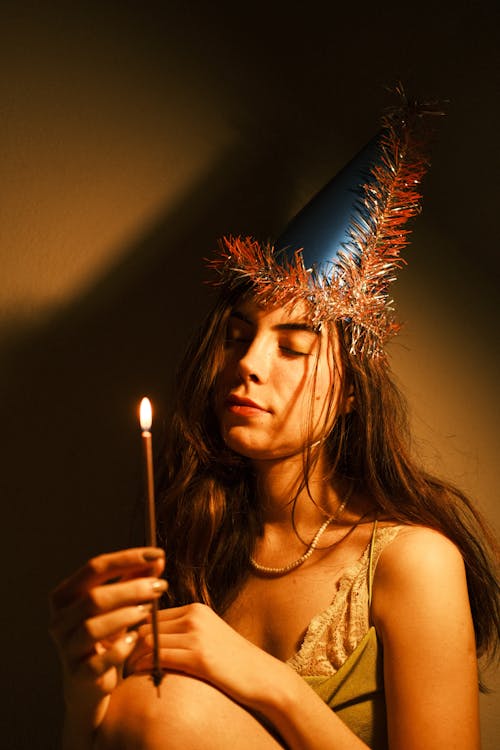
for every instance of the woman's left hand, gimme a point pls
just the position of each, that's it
(196, 641)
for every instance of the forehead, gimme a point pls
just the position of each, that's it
(274, 315)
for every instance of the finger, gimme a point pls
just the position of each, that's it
(169, 646)
(175, 613)
(168, 641)
(177, 620)
(145, 629)
(106, 567)
(171, 632)
(99, 663)
(139, 653)
(176, 659)
(102, 568)
(105, 630)
(103, 599)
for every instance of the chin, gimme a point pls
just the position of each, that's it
(260, 451)
(246, 448)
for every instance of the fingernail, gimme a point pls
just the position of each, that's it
(153, 554)
(144, 608)
(131, 637)
(159, 586)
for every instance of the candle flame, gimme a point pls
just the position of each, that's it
(145, 414)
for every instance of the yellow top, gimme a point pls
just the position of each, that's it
(355, 689)
(356, 692)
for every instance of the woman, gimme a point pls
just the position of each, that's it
(311, 564)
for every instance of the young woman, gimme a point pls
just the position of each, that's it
(323, 590)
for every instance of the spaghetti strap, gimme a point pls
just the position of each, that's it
(370, 563)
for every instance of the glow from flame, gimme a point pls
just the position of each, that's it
(145, 415)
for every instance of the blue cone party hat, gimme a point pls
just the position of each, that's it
(322, 229)
(343, 249)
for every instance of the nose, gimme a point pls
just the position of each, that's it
(254, 364)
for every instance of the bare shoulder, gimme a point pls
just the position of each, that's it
(418, 549)
(420, 572)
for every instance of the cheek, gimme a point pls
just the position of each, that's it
(225, 374)
(227, 369)
(325, 404)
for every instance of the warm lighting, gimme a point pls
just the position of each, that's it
(145, 415)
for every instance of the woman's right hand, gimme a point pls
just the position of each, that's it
(92, 613)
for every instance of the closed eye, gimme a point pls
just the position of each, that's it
(292, 352)
(297, 343)
(237, 340)
(237, 333)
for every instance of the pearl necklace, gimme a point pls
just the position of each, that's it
(307, 554)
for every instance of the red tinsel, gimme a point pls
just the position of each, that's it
(355, 289)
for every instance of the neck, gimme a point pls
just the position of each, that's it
(278, 482)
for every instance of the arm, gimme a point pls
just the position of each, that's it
(195, 642)
(422, 614)
(90, 618)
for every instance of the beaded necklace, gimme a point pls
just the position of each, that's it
(307, 554)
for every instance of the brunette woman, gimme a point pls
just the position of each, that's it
(324, 591)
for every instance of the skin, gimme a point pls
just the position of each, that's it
(221, 673)
(281, 365)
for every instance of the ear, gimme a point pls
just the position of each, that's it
(350, 402)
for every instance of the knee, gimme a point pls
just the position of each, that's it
(180, 717)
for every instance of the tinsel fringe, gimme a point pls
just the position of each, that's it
(355, 288)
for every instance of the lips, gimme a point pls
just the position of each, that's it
(243, 406)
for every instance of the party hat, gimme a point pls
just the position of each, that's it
(343, 249)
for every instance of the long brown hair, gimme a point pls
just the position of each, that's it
(208, 514)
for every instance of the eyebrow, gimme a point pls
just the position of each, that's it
(297, 326)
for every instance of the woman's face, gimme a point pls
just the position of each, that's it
(275, 386)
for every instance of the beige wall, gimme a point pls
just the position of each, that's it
(133, 135)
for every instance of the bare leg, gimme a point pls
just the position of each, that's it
(189, 715)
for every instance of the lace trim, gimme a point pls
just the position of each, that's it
(334, 633)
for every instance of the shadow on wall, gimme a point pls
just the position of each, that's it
(71, 388)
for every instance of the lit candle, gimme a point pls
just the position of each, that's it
(146, 421)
